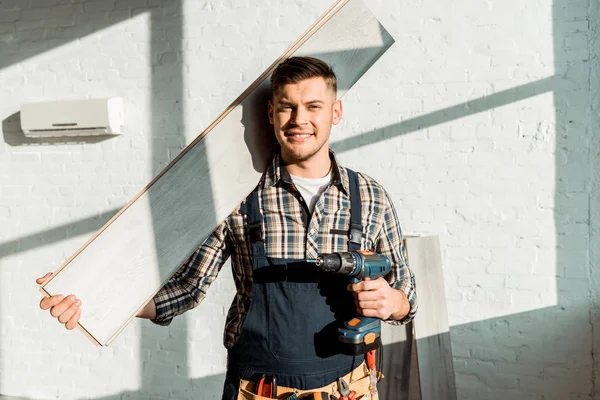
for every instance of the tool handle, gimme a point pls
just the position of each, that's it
(370, 357)
(267, 386)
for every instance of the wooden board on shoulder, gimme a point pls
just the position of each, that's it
(122, 266)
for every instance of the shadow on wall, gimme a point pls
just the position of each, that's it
(538, 341)
(538, 344)
(552, 349)
(38, 29)
(14, 136)
(206, 388)
(403, 380)
(44, 28)
(27, 31)
(448, 114)
(257, 129)
(56, 234)
(549, 351)
(160, 378)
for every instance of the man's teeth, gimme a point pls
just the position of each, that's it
(301, 136)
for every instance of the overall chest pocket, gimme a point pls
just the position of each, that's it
(336, 226)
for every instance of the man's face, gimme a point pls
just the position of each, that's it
(302, 114)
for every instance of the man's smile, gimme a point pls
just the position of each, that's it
(298, 135)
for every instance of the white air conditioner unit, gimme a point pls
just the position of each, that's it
(72, 118)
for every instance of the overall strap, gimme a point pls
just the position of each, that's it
(356, 228)
(254, 224)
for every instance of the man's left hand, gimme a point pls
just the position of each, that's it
(378, 299)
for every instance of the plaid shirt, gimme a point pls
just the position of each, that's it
(289, 231)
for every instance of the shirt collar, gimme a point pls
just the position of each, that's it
(278, 173)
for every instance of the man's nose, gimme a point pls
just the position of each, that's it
(300, 116)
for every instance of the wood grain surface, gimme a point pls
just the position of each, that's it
(122, 266)
(399, 364)
(431, 329)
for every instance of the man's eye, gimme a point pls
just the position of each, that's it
(314, 107)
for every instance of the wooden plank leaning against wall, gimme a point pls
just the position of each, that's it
(418, 356)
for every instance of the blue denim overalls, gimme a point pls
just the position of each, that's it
(290, 330)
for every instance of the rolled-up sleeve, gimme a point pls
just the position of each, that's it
(391, 244)
(188, 286)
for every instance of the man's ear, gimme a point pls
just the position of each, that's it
(337, 112)
(270, 112)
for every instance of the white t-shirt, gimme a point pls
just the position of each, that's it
(311, 188)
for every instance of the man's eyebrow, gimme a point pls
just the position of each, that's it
(288, 102)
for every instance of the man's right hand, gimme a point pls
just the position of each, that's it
(66, 309)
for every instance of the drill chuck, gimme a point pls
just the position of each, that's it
(339, 263)
(357, 265)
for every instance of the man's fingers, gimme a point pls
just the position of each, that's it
(72, 323)
(66, 316)
(376, 284)
(368, 296)
(43, 279)
(355, 287)
(367, 312)
(51, 301)
(66, 309)
(373, 310)
(366, 285)
(61, 307)
(370, 305)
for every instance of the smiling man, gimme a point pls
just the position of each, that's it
(302, 113)
(282, 322)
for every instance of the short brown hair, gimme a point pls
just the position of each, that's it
(296, 69)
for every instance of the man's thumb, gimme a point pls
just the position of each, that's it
(43, 279)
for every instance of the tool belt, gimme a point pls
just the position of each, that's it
(358, 380)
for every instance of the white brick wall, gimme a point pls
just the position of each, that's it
(480, 121)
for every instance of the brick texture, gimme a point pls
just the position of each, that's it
(481, 121)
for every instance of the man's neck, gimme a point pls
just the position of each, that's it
(317, 167)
